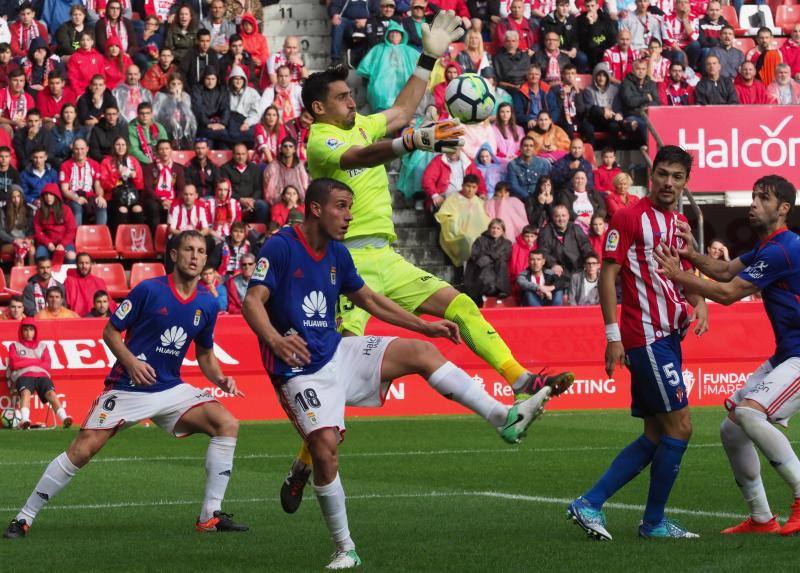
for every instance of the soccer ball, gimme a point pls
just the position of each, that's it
(469, 98)
(9, 418)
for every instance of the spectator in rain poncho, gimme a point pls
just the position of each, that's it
(413, 165)
(462, 218)
(492, 169)
(508, 209)
(173, 109)
(387, 68)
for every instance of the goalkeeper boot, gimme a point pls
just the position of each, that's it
(344, 560)
(792, 525)
(665, 530)
(522, 414)
(16, 529)
(590, 519)
(293, 486)
(559, 383)
(750, 526)
(220, 521)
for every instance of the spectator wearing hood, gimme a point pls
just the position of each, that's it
(749, 89)
(462, 218)
(95, 98)
(602, 105)
(38, 66)
(486, 272)
(387, 67)
(173, 109)
(445, 176)
(451, 71)
(520, 251)
(197, 59)
(492, 169)
(550, 141)
(254, 41)
(36, 175)
(24, 30)
(508, 209)
(80, 286)
(115, 25)
(212, 109)
(84, 64)
(69, 33)
(245, 103)
(54, 226)
(476, 134)
(116, 64)
(29, 372)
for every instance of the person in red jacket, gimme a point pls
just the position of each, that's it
(444, 174)
(29, 372)
(604, 174)
(84, 64)
(675, 90)
(620, 196)
(791, 51)
(520, 253)
(15, 102)
(80, 286)
(54, 227)
(52, 98)
(116, 64)
(749, 88)
(254, 41)
(24, 30)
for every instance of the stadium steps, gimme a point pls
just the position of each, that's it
(305, 19)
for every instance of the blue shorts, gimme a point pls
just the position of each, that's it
(656, 377)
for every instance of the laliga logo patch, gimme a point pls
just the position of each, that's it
(612, 240)
(333, 143)
(124, 309)
(197, 315)
(261, 269)
(333, 275)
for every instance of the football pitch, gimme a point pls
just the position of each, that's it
(424, 494)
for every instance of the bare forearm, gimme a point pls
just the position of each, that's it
(113, 339)
(255, 314)
(389, 311)
(717, 269)
(608, 296)
(209, 365)
(699, 287)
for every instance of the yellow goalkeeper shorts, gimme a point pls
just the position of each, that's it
(388, 273)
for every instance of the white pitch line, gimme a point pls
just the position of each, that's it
(366, 497)
(401, 453)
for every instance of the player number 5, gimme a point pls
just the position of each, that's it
(672, 375)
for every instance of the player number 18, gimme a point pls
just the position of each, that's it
(307, 399)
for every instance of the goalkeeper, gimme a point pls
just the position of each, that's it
(351, 148)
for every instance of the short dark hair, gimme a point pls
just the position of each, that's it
(98, 294)
(186, 235)
(535, 252)
(679, 64)
(674, 154)
(591, 255)
(110, 105)
(39, 149)
(5, 148)
(317, 85)
(167, 141)
(528, 229)
(84, 254)
(56, 74)
(15, 73)
(235, 38)
(471, 178)
(764, 29)
(203, 32)
(608, 150)
(25, 6)
(53, 289)
(726, 26)
(320, 189)
(144, 105)
(45, 259)
(5, 47)
(654, 40)
(238, 226)
(502, 185)
(778, 186)
(16, 298)
(569, 67)
(34, 111)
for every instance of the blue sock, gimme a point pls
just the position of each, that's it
(663, 473)
(626, 466)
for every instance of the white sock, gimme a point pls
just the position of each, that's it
(332, 503)
(54, 479)
(746, 468)
(773, 444)
(61, 413)
(26, 414)
(454, 384)
(219, 464)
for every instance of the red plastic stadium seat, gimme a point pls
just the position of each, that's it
(729, 13)
(5, 294)
(134, 242)
(776, 43)
(220, 157)
(583, 81)
(494, 302)
(455, 48)
(95, 240)
(588, 154)
(161, 240)
(114, 275)
(19, 278)
(142, 271)
(183, 157)
(744, 44)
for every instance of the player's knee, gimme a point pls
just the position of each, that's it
(426, 355)
(227, 426)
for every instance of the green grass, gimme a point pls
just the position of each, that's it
(422, 497)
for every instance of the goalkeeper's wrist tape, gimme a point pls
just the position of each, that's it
(424, 67)
(399, 147)
(612, 333)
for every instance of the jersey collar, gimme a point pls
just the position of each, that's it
(178, 296)
(311, 252)
(772, 236)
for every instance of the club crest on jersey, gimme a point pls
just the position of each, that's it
(333, 275)
(333, 143)
(124, 309)
(261, 269)
(612, 240)
(197, 315)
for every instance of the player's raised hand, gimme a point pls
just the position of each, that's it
(443, 136)
(684, 232)
(292, 349)
(615, 354)
(442, 329)
(141, 373)
(228, 385)
(669, 262)
(445, 29)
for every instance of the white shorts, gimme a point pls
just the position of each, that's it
(115, 409)
(776, 389)
(352, 378)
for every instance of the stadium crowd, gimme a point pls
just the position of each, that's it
(178, 113)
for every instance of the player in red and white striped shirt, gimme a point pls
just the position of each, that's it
(655, 317)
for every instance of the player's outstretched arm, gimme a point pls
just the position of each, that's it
(722, 292)
(716, 269)
(209, 366)
(615, 352)
(389, 311)
(140, 372)
(292, 349)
